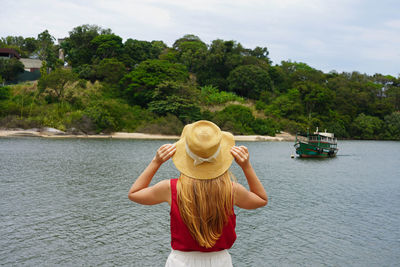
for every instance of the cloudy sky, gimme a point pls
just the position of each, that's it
(341, 35)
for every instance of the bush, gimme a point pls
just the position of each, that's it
(101, 118)
(5, 92)
(13, 121)
(212, 96)
(169, 125)
(264, 126)
(236, 119)
(182, 108)
(291, 126)
(392, 122)
(249, 81)
(366, 127)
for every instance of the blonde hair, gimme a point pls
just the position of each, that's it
(205, 206)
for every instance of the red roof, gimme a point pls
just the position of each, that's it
(10, 51)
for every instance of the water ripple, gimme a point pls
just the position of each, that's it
(64, 202)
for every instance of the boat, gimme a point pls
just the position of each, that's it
(316, 145)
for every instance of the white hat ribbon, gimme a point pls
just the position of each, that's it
(199, 160)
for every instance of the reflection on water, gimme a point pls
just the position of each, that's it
(64, 202)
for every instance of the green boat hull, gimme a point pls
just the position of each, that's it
(315, 150)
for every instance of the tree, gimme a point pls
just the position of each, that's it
(392, 125)
(249, 81)
(24, 46)
(237, 119)
(107, 46)
(54, 84)
(191, 51)
(110, 70)
(260, 52)
(186, 110)
(393, 94)
(222, 57)
(315, 97)
(46, 49)
(137, 51)
(141, 82)
(10, 68)
(286, 105)
(30, 45)
(5, 92)
(301, 72)
(78, 46)
(366, 127)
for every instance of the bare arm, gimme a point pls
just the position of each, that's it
(256, 197)
(158, 193)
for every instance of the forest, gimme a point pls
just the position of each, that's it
(105, 85)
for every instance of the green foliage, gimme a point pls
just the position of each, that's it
(366, 127)
(178, 99)
(164, 125)
(116, 86)
(212, 96)
(107, 46)
(137, 51)
(236, 119)
(239, 119)
(5, 92)
(191, 51)
(101, 117)
(140, 84)
(292, 126)
(54, 84)
(110, 70)
(265, 126)
(221, 58)
(249, 81)
(260, 105)
(182, 108)
(86, 71)
(392, 125)
(10, 68)
(78, 46)
(46, 49)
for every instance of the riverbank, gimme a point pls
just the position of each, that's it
(54, 133)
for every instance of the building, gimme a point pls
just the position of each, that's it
(31, 64)
(9, 53)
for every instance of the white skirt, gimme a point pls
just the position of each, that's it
(199, 259)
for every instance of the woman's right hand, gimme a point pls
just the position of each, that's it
(241, 155)
(164, 153)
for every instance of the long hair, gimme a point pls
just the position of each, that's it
(205, 206)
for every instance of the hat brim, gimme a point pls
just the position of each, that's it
(206, 170)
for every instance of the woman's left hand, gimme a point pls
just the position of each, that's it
(241, 155)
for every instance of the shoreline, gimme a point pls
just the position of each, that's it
(54, 133)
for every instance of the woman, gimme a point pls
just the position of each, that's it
(202, 217)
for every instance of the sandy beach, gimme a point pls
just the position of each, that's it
(54, 133)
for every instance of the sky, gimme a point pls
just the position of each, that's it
(329, 35)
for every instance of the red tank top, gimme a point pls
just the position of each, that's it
(181, 238)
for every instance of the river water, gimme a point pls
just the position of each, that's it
(64, 202)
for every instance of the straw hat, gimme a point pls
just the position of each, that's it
(203, 151)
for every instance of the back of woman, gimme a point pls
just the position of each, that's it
(202, 215)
